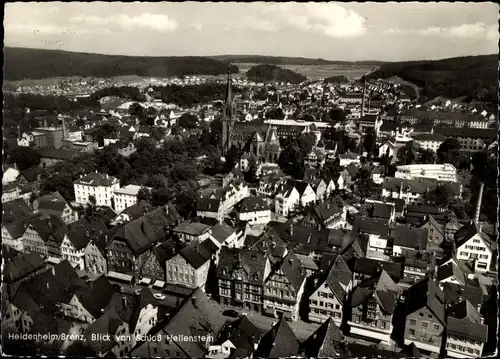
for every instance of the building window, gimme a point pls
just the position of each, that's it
(425, 325)
(413, 322)
(411, 332)
(436, 327)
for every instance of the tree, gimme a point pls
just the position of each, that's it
(59, 182)
(232, 157)
(427, 156)
(144, 194)
(405, 154)
(186, 202)
(136, 109)
(448, 149)
(251, 175)
(24, 157)
(275, 114)
(441, 196)
(188, 121)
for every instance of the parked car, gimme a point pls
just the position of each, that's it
(231, 313)
(159, 296)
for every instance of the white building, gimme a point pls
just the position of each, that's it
(287, 200)
(429, 141)
(441, 172)
(126, 196)
(254, 210)
(473, 246)
(100, 186)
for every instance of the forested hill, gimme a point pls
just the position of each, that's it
(23, 63)
(475, 77)
(282, 60)
(272, 73)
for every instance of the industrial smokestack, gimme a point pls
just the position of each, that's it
(478, 206)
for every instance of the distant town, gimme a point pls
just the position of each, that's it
(215, 217)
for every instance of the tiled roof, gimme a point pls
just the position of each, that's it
(97, 180)
(371, 226)
(22, 265)
(280, 341)
(415, 238)
(15, 210)
(253, 263)
(371, 267)
(251, 204)
(426, 293)
(465, 321)
(326, 342)
(53, 201)
(455, 293)
(382, 210)
(191, 228)
(50, 229)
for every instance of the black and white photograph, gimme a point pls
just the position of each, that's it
(250, 180)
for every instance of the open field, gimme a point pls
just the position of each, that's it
(321, 71)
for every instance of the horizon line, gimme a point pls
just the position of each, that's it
(242, 55)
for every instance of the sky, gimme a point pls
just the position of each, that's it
(333, 31)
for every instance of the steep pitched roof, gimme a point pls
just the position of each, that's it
(15, 210)
(22, 265)
(51, 229)
(252, 262)
(83, 230)
(450, 270)
(381, 287)
(243, 334)
(464, 320)
(291, 268)
(426, 293)
(251, 204)
(198, 315)
(455, 293)
(280, 341)
(326, 342)
(222, 231)
(53, 201)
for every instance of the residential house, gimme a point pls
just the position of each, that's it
(474, 247)
(327, 300)
(254, 210)
(319, 186)
(412, 191)
(466, 331)
(377, 232)
(100, 187)
(287, 200)
(435, 231)
(425, 322)
(373, 303)
(440, 172)
(192, 231)
(45, 236)
(16, 217)
(450, 273)
(384, 211)
(279, 342)
(326, 342)
(332, 214)
(55, 204)
(237, 339)
(429, 141)
(210, 208)
(241, 275)
(284, 287)
(189, 267)
(315, 158)
(77, 238)
(95, 254)
(306, 193)
(126, 196)
(222, 234)
(130, 245)
(409, 239)
(366, 268)
(417, 264)
(153, 268)
(197, 314)
(471, 139)
(377, 174)
(132, 213)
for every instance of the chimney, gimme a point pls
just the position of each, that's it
(124, 301)
(44, 122)
(291, 230)
(478, 205)
(194, 301)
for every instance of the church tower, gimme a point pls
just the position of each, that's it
(229, 115)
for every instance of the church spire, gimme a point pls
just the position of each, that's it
(229, 93)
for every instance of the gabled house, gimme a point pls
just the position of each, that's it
(197, 316)
(450, 273)
(128, 249)
(315, 158)
(373, 303)
(55, 204)
(190, 266)
(153, 268)
(466, 332)
(327, 300)
(237, 339)
(284, 287)
(435, 231)
(95, 254)
(77, 238)
(279, 342)
(306, 193)
(210, 208)
(332, 214)
(378, 235)
(45, 236)
(425, 324)
(287, 200)
(188, 231)
(474, 247)
(326, 342)
(241, 275)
